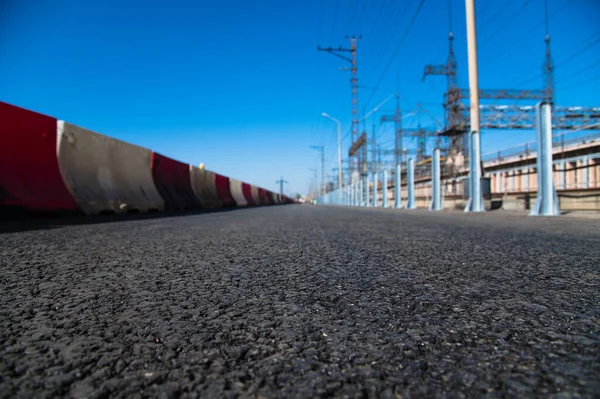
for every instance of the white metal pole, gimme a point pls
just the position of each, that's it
(546, 203)
(398, 187)
(410, 177)
(475, 200)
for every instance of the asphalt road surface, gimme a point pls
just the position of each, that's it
(301, 301)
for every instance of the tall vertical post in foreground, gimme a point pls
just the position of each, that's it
(410, 177)
(436, 189)
(384, 199)
(546, 203)
(475, 203)
(398, 187)
(375, 189)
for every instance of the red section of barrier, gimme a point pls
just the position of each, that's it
(224, 191)
(29, 173)
(172, 180)
(247, 191)
(271, 197)
(261, 196)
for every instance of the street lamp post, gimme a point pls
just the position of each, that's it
(321, 149)
(339, 134)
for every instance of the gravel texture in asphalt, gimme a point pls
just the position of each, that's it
(302, 301)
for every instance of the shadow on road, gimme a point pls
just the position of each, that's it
(16, 220)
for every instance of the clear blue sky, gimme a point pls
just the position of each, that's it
(240, 85)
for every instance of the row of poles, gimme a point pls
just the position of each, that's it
(357, 193)
(547, 200)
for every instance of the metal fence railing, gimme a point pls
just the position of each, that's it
(562, 140)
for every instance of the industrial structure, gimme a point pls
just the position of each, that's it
(453, 139)
(358, 158)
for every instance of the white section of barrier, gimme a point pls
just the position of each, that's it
(205, 188)
(255, 197)
(235, 186)
(105, 174)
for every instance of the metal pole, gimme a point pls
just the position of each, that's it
(363, 200)
(436, 197)
(384, 199)
(323, 170)
(350, 198)
(339, 132)
(365, 190)
(339, 137)
(347, 196)
(360, 193)
(398, 187)
(375, 189)
(367, 198)
(475, 200)
(546, 203)
(410, 175)
(357, 191)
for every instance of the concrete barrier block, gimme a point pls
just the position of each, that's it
(30, 177)
(204, 185)
(104, 174)
(236, 188)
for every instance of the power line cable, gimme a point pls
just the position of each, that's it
(485, 24)
(390, 33)
(485, 7)
(510, 44)
(577, 54)
(577, 73)
(503, 26)
(577, 51)
(581, 83)
(389, 64)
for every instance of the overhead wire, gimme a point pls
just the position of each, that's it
(578, 53)
(486, 23)
(568, 58)
(484, 8)
(503, 26)
(510, 44)
(388, 65)
(595, 78)
(395, 21)
(594, 64)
